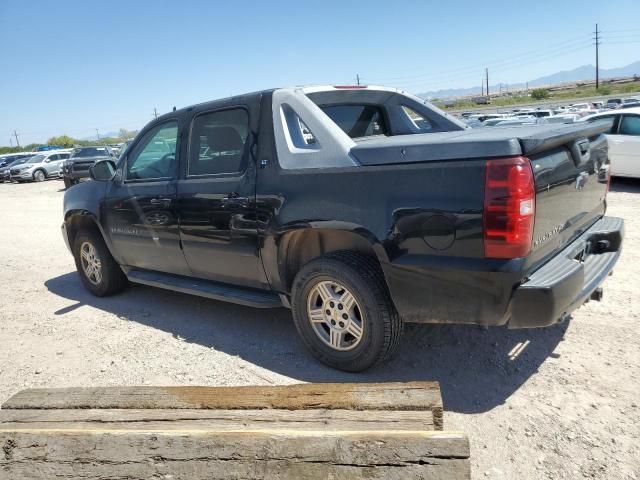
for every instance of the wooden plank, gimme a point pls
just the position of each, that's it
(224, 420)
(416, 396)
(208, 453)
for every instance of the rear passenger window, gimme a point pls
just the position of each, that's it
(416, 120)
(630, 125)
(218, 142)
(357, 120)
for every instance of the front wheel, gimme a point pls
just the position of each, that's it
(343, 312)
(39, 176)
(100, 273)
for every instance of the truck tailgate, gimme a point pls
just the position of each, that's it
(570, 166)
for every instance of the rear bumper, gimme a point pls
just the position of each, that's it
(480, 291)
(568, 280)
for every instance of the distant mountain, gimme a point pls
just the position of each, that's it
(102, 135)
(585, 72)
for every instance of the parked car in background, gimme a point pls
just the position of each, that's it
(9, 158)
(535, 113)
(522, 120)
(624, 140)
(614, 103)
(631, 103)
(11, 161)
(38, 168)
(563, 118)
(46, 148)
(81, 159)
(492, 122)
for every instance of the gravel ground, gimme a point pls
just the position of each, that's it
(560, 402)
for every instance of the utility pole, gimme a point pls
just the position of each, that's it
(486, 70)
(358, 78)
(11, 141)
(15, 134)
(97, 134)
(155, 112)
(597, 39)
(482, 87)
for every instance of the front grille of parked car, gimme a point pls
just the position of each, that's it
(15, 171)
(80, 167)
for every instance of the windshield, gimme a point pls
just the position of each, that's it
(90, 152)
(20, 161)
(36, 159)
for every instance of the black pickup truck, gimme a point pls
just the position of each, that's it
(359, 208)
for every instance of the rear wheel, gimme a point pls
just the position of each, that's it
(100, 273)
(39, 176)
(343, 312)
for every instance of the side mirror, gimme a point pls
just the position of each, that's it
(103, 170)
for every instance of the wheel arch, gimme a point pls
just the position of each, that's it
(80, 220)
(299, 247)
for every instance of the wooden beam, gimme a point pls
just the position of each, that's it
(411, 396)
(209, 453)
(265, 420)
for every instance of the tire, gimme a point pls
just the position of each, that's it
(111, 279)
(67, 182)
(39, 176)
(381, 326)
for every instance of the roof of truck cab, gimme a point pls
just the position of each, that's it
(305, 89)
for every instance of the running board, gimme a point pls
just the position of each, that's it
(206, 288)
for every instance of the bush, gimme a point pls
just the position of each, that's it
(604, 90)
(540, 94)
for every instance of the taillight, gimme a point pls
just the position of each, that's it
(509, 208)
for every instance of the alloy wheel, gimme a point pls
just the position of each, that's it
(91, 265)
(335, 315)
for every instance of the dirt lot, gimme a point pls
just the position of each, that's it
(559, 402)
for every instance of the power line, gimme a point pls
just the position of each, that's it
(505, 67)
(521, 60)
(559, 46)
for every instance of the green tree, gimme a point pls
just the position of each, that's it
(62, 140)
(540, 94)
(124, 134)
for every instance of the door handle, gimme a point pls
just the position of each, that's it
(161, 202)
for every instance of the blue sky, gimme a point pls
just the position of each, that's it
(69, 67)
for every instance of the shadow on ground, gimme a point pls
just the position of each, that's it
(477, 368)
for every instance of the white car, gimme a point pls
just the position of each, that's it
(41, 166)
(624, 140)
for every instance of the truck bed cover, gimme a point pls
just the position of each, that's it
(486, 142)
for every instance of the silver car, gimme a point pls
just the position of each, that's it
(40, 167)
